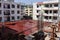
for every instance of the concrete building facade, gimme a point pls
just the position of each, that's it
(49, 9)
(29, 9)
(10, 11)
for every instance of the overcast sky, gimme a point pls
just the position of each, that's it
(29, 1)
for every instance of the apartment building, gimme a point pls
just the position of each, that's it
(29, 9)
(10, 11)
(48, 9)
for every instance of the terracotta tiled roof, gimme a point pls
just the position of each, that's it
(25, 26)
(39, 2)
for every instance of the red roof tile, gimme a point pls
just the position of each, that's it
(39, 2)
(24, 25)
(27, 26)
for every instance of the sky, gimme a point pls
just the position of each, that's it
(29, 1)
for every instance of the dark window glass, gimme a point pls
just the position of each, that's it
(18, 6)
(13, 17)
(38, 11)
(50, 11)
(37, 6)
(18, 12)
(0, 4)
(0, 11)
(55, 18)
(0, 19)
(49, 17)
(37, 16)
(13, 6)
(18, 17)
(6, 12)
(50, 5)
(46, 17)
(46, 5)
(55, 5)
(12, 12)
(55, 11)
(46, 11)
(30, 12)
(6, 6)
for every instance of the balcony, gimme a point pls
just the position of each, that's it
(46, 20)
(50, 8)
(55, 14)
(50, 20)
(49, 14)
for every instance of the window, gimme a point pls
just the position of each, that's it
(8, 18)
(50, 11)
(6, 12)
(0, 4)
(30, 12)
(18, 11)
(13, 6)
(50, 5)
(38, 11)
(18, 17)
(0, 11)
(22, 7)
(49, 17)
(46, 5)
(6, 5)
(13, 17)
(46, 17)
(26, 12)
(46, 11)
(18, 6)
(37, 16)
(55, 5)
(0, 19)
(12, 12)
(55, 11)
(55, 18)
(37, 6)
